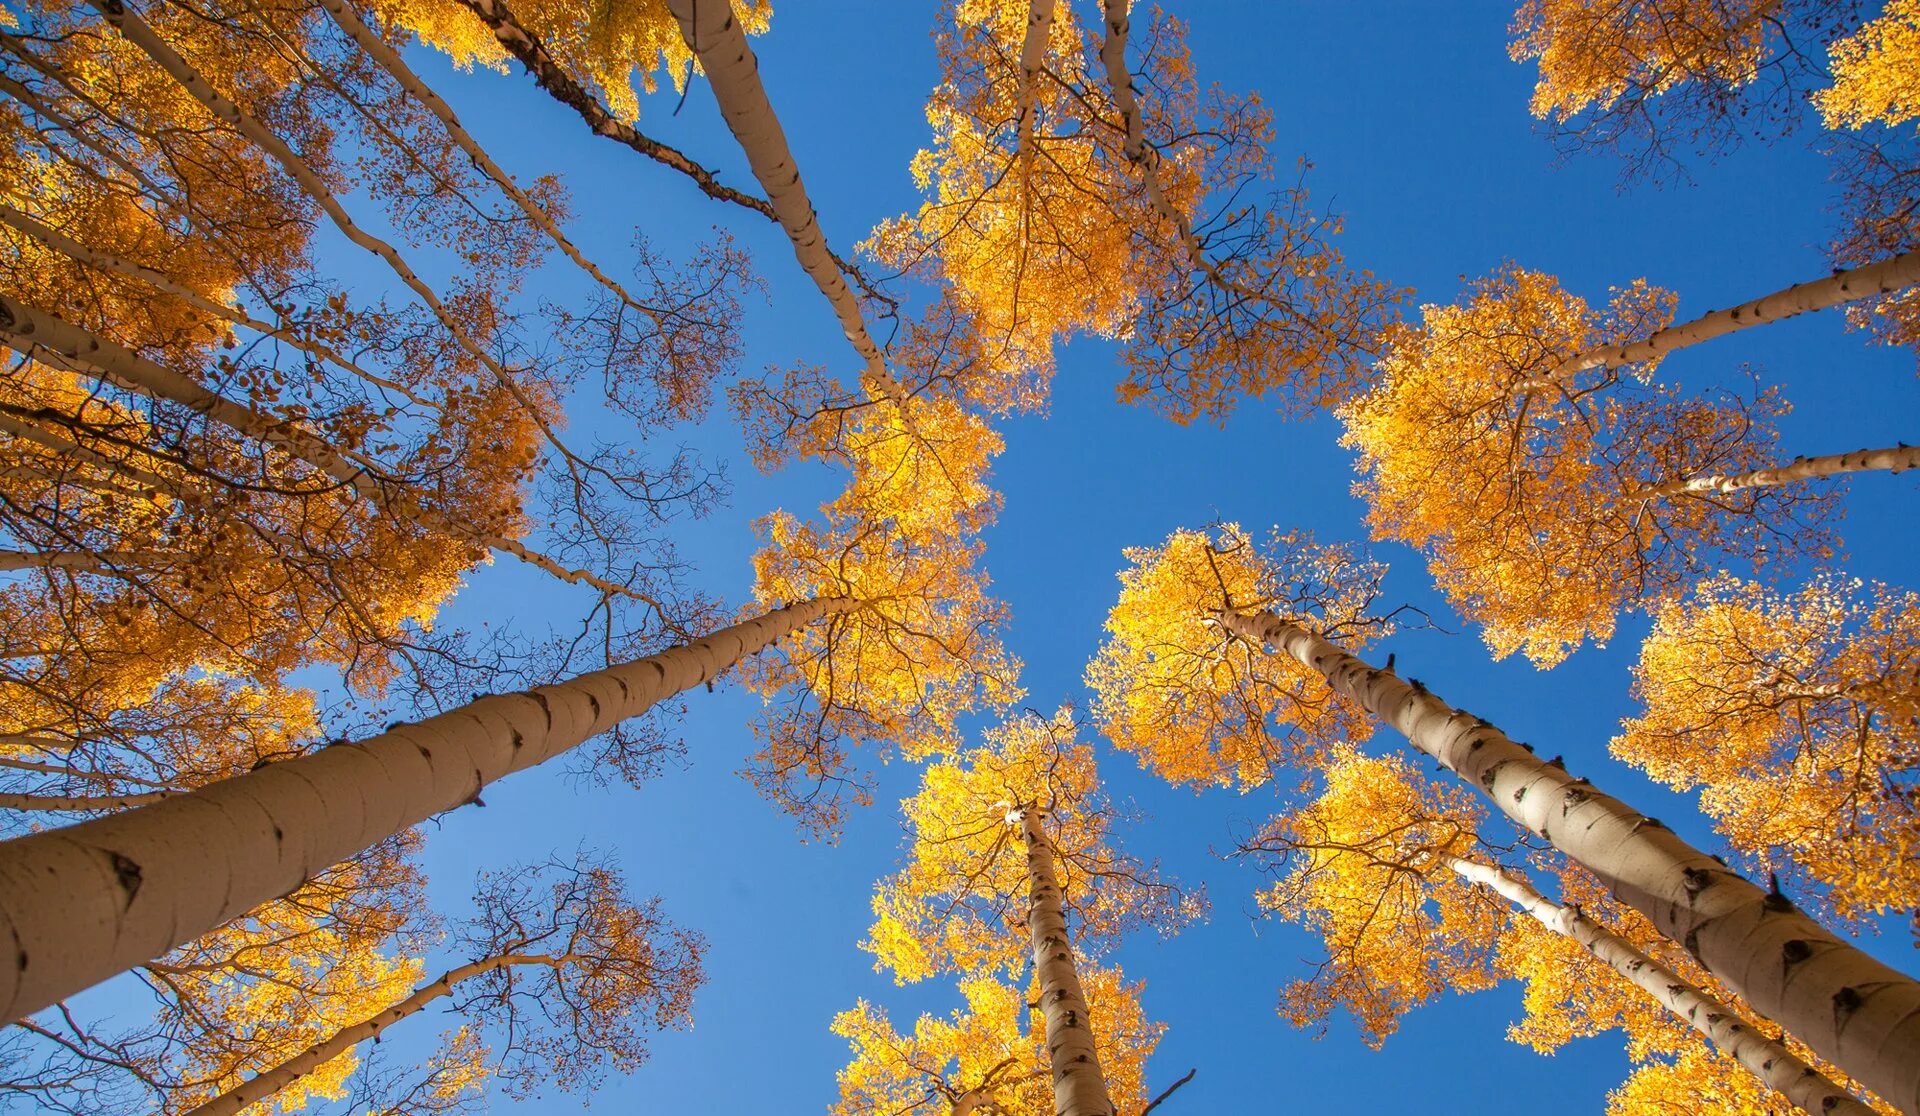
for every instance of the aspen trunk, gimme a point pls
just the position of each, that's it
(269, 1082)
(1769, 1059)
(1869, 281)
(49, 237)
(79, 904)
(715, 37)
(24, 326)
(81, 560)
(1894, 460)
(79, 803)
(1078, 1087)
(1855, 1012)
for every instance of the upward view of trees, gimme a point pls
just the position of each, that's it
(292, 358)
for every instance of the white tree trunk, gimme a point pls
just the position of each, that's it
(1869, 281)
(266, 1084)
(1769, 1059)
(1078, 1087)
(79, 904)
(1855, 1012)
(1898, 459)
(715, 37)
(79, 803)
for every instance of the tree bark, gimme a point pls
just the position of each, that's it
(715, 37)
(1855, 1012)
(82, 560)
(1898, 459)
(1078, 1087)
(79, 904)
(1869, 281)
(25, 327)
(266, 1084)
(1769, 1059)
(80, 803)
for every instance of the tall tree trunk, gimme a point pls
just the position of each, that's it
(1869, 281)
(1769, 1059)
(1078, 1087)
(715, 37)
(83, 559)
(27, 327)
(79, 803)
(79, 904)
(264, 1085)
(1893, 460)
(1855, 1012)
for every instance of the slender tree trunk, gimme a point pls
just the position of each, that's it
(81, 559)
(1869, 281)
(79, 803)
(1769, 1059)
(26, 327)
(79, 904)
(1078, 1087)
(1855, 1012)
(715, 37)
(1894, 460)
(270, 1082)
(74, 250)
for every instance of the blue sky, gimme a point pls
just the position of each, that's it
(1416, 123)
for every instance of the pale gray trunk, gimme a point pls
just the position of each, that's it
(1769, 1059)
(1078, 1087)
(1855, 1012)
(1895, 460)
(79, 904)
(266, 1084)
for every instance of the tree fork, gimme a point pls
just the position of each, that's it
(1778, 1067)
(1858, 1014)
(80, 904)
(1079, 1089)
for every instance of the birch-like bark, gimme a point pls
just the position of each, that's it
(1769, 1059)
(715, 37)
(27, 327)
(138, 33)
(1855, 1012)
(396, 67)
(102, 261)
(1868, 281)
(82, 560)
(80, 803)
(1895, 460)
(264, 1085)
(1078, 1087)
(80, 904)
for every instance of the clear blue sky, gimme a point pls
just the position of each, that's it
(1416, 122)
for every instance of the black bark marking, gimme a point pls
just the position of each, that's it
(127, 872)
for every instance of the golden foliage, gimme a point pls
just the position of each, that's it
(1794, 715)
(1198, 707)
(1593, 55)
(1534, 490)
(991, 1053)
(960, 904)
(1876, 71)
(621, 48)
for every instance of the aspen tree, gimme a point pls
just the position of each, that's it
(1580, 487)
(1649, 77)
(1792, 714)
(1009, 841)
(1395, 874)
(565, 967)
(1855, 1012)
(87, 901)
